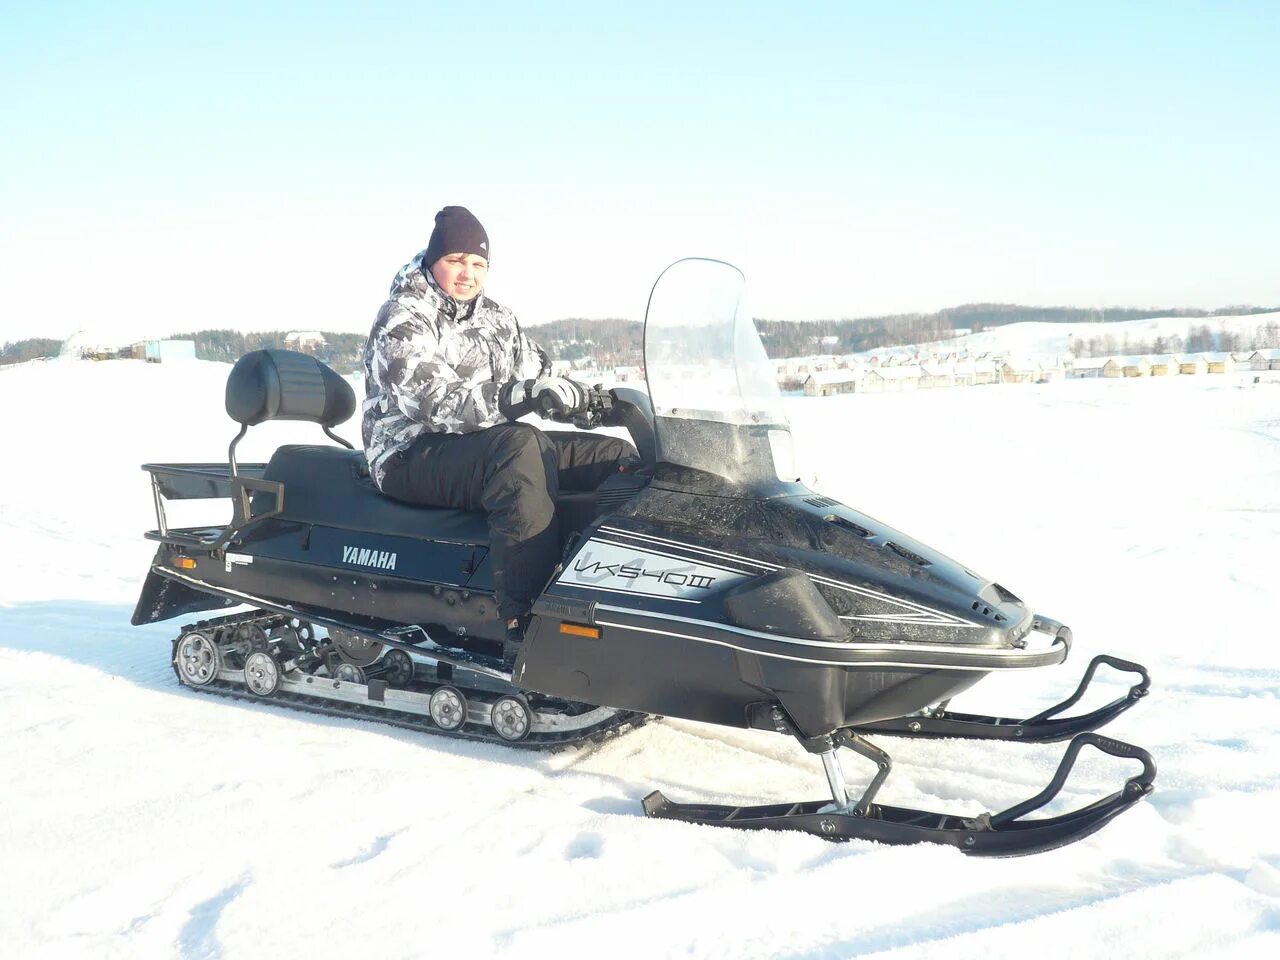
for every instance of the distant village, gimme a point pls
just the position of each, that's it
(889, 372)
(896, 371)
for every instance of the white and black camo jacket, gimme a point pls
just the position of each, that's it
(435, 365)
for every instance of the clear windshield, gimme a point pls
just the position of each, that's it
(716, 402)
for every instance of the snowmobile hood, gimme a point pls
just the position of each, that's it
(882, 584)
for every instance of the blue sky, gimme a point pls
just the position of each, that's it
(272, 165)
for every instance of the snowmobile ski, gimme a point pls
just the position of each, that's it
(1044, 727)
(1004, 834)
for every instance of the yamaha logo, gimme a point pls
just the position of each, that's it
(365, 557)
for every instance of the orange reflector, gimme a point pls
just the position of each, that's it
(184, 563)
(578, 630)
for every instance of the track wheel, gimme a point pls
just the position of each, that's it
(511, 718)
(448, 708)
(397, 668)
(349, 673)
(261, 673)
(197, 658)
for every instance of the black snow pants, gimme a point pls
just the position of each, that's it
(512, 472)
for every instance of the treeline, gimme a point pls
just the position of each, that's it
(617, 342)
(20, 351)
(979, 316)
(610, 343)
(1199, 339)
(340, 350)
(796, 339)
(792, 338)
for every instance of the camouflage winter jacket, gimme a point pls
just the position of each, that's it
(435, 365)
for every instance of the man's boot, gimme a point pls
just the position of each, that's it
(514, 642)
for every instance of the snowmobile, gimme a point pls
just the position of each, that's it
(705, 582)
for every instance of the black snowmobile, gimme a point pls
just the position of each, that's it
(706, 583)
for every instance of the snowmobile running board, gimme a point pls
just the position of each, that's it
(1044, 727)
(1003, 834)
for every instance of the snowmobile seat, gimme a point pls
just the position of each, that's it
(330, 486)
(284, 385)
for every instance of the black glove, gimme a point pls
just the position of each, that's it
(514, 400)
(560, 398)
(557, 398)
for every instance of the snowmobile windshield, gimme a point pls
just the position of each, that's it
(716, 404)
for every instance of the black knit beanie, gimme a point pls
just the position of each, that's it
(457, 231)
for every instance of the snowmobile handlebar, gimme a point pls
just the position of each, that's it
(617, 407)
(598, 406)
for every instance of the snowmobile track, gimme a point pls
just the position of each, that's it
(616, 724)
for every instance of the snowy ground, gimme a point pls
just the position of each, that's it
(141, 820)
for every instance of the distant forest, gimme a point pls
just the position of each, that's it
(22, 350)
(800, 338)
(340, 351)
(616, 342)
(1199, 339)
(610, 343)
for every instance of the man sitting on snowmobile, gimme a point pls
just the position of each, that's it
(448, 373)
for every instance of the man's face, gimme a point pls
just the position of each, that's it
(460, 275)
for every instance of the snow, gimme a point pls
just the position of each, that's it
(138, 819)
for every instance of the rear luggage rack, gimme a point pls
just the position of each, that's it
(263, 385)
(212, 481)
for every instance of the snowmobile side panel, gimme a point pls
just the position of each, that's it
(339, 551)
(365, 601)
(657, 674)
(633, 664)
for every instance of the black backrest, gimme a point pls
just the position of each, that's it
(284, 385)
